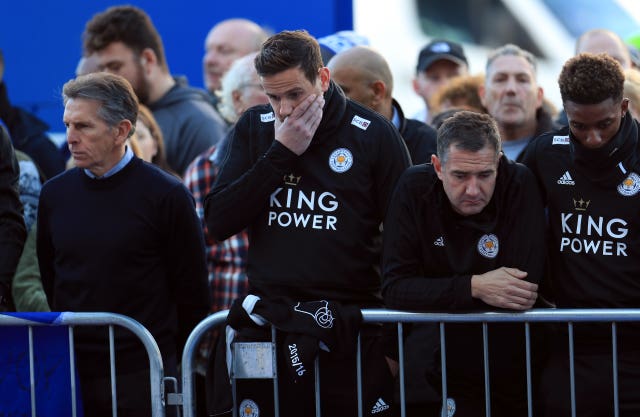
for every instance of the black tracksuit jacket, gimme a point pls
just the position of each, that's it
(314, 219)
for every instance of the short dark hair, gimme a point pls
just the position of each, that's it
(114, 93)
(591, 79)
(467, 130)
(290, 49)
(127, 24)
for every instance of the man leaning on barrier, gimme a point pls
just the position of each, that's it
(589, 172)
(465, 233)
(310, 175)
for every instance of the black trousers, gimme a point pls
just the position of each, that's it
(593, 384)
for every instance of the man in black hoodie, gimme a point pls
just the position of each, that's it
(311, 176)
(589, 173)
(465, 233)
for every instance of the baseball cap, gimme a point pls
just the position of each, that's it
(441, 49)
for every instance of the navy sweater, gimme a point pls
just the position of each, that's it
(129, 244)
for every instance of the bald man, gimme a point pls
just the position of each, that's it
(602, 41)
(227, 41)
(364, 76)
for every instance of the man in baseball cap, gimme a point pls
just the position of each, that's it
(438, 62)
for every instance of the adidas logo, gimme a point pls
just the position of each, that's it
(439, 241)
(566, 179)
(379, 407)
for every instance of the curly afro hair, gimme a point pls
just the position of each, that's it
(591, 79)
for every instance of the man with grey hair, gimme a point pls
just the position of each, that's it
(485, 252)
(240, 89)
(364, 76)
(511, 95)
(119, 235)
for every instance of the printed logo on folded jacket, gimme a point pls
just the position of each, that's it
(296, 362)
(319, 310)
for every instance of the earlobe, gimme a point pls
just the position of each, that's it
(123, 129)
(436, 165)
(325, 76)
(379, 90)
(147, 57)
(625, 106)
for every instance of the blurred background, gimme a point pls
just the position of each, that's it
(41, 41)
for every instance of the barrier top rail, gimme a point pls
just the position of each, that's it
(536, 315)
(87, 319)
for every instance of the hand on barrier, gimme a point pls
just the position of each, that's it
(505, 288)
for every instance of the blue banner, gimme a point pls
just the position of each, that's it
(51, 368)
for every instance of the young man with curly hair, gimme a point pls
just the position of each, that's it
(589, 173)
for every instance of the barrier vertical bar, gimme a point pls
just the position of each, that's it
(232, 373)
(276, 389)
(485, 355)
(72, 366)
(572, 379)
(527, 338)
(614, 343)
(443, 365)
(359, 375)
(112, 366)
(32, 378)
(316, 371)
(403, 411)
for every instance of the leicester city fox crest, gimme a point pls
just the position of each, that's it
(488, 246)
(341, 160)
(630, 186)
(248, 408)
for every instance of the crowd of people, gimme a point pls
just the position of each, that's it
(295, 191)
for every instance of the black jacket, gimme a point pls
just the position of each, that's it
(314, 219)
(12, 229)
(593, 202)
(428, 264)
(430, 253)
(419, 137)
(29, 135)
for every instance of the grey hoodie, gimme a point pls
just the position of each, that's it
(189, 124)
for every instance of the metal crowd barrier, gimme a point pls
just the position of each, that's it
(31, 320)
(568, 316)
